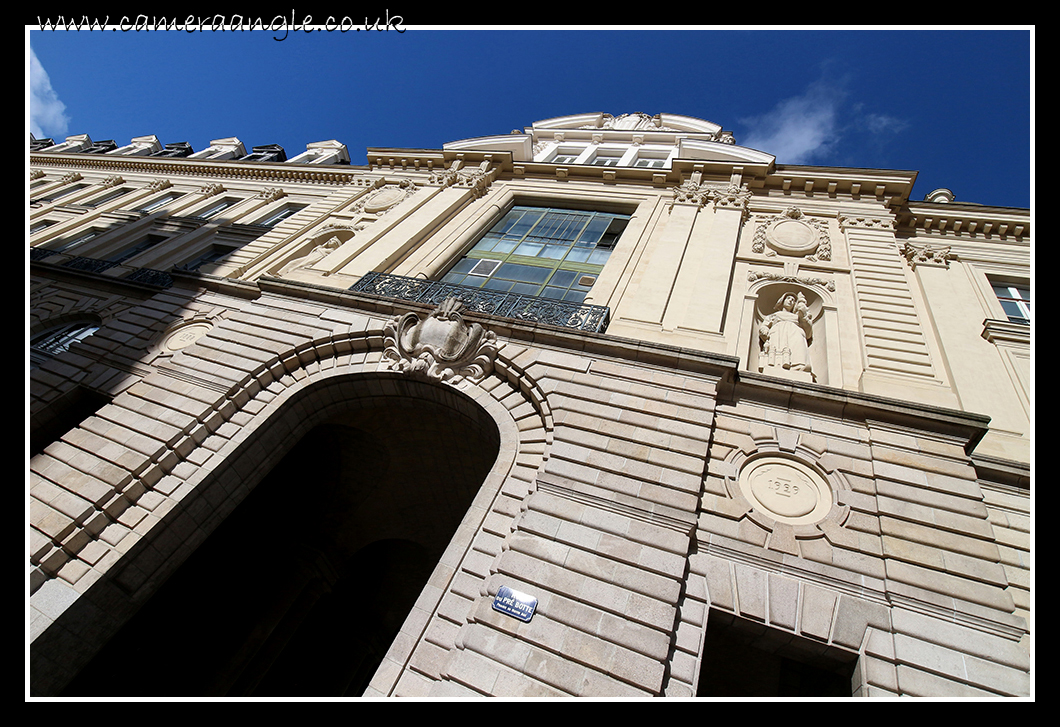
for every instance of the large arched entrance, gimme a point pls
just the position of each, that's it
(301, 590)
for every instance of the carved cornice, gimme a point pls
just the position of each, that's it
(250, 171)
(112, 181)
(969, 221)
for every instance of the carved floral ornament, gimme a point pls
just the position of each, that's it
(935, 255)
(755, 275)
(442, 347)
(477, 179)
(691, 191)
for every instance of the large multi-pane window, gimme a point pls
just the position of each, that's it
(554, 253)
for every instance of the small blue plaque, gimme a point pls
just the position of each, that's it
(515, 604)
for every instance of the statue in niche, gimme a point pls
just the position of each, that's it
(786, 335)
(312, 257)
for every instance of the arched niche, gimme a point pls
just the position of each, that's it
(789, 333)
(314, 249)
(301, 590)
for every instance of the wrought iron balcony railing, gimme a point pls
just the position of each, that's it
(536, 309)
(129, 273)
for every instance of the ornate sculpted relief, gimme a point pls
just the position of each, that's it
(477, 179)
(793, 234)
(692, 191)
(936, 255)
(271, 194)
(387, 197)
(443, 347)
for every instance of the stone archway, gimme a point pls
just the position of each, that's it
(301, 591)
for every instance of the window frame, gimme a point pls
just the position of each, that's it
(1021, 304)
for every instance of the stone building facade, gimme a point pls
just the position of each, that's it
(607, 406)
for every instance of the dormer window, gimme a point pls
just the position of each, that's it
(650, 163)
(605, 159)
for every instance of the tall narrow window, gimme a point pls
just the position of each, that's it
(62, 192)
(160, 201)
(1015, 300)
(108, 197)
(553, 253)
(216, 208)
(280, 215)
(128, 253)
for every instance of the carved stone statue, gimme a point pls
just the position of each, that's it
(786, 335)
(315, 255)
(443, 347)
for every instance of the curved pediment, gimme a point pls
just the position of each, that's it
(630, 122)
(520, 146)
(719, 152)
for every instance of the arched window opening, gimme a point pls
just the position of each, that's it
(303, 588)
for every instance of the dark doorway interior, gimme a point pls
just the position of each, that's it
(301, 591)
(743, 658)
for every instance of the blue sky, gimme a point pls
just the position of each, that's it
(953, 104)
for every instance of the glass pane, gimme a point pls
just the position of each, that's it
(486, 243)
(464, 265)
(553, 252)
(563, 278)
(594, 229)
(579, 255)
(599, 256)
(527, 220)
(523, 273)
(530, 249)
(1012, 309)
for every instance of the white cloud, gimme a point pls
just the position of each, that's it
(800, 129)
(47, 114)
(880, 124)
(823, 125)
